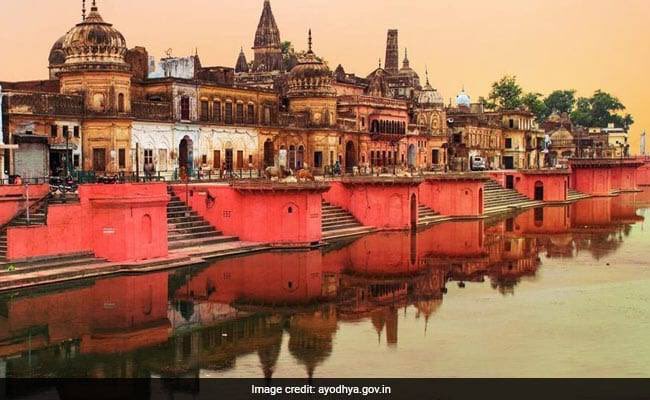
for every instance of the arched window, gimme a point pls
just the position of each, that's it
(292, 157)
(300, 157)
(120, 102)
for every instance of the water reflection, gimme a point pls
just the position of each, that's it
(291, 305)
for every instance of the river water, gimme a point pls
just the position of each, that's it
(554, 292)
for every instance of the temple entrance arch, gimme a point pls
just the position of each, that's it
(186, 155)
(411, 154)
(350, 156)
(539, 191)
(269, 155)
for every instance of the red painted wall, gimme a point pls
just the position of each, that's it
(453, 197)
(116, 222)
(453, 239)
(555, 185)
(643, 174)
(594, 181)
(384, 206)
(281, 217)
(13, 198)
(624, 178)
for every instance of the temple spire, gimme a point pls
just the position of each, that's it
(406, 58)
(94, 7)
(83, 10)
(426, 73)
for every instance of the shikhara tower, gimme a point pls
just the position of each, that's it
(267, 46)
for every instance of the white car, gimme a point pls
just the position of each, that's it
(478, 163)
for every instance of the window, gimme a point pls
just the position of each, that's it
(75, 131)
(122, 158)
(250, 114)
(76, 161)
(216, 111)
(204, 159)
(54, 130)
(120, 102)
(229, 113)
(508, 143)
(185, 108)
(250, 159)
(148, 156)
(511, 123)
(205, 110)
(331, 158)
(318, 159)
(240, 113)
(66, 132)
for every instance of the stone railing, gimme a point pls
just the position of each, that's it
(43, 104)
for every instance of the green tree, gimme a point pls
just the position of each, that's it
(506, 93)
(581, 115)
(534, 103)
(560, 101)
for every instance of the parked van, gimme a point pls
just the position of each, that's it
(478, 163)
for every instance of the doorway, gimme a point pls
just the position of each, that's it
(510, 182)
(229, 159)
(269, 157)
(350, 157)
(99, 160)
(508, 162)
(186, 155)
(539, 191)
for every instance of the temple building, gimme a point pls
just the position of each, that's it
(110, 109)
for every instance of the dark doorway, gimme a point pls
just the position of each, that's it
(59, 163)
(229, 159)
(269, 157)
(99, 160)
(414, 212)
(539, 191)
(186, 155)
(510, 182)
(435, 157)
(508, 162)
(350, 157)
(411, 155)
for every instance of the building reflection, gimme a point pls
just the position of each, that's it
(198, 319)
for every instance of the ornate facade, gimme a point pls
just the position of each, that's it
(123, 110)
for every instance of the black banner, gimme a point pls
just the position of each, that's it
(371, 389)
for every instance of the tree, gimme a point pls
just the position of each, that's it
(533, 102)
(506, 93)
(600, 110)
(560, 101)
(581, 115)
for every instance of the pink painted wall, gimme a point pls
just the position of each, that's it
(453, 197)
(555, 185)
(282, 218)
(13, 198)
(383, 206)
(594, 181)
(624, 178)
(116, 222)
(643, 174)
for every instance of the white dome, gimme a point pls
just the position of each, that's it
(463, 99)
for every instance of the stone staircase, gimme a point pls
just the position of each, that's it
(573, 195)
(427, 216)
(338, 223)
(498, 200)
(185, 228)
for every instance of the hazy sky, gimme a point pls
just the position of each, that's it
(549, 44)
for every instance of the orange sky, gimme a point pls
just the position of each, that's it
(548, 44)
